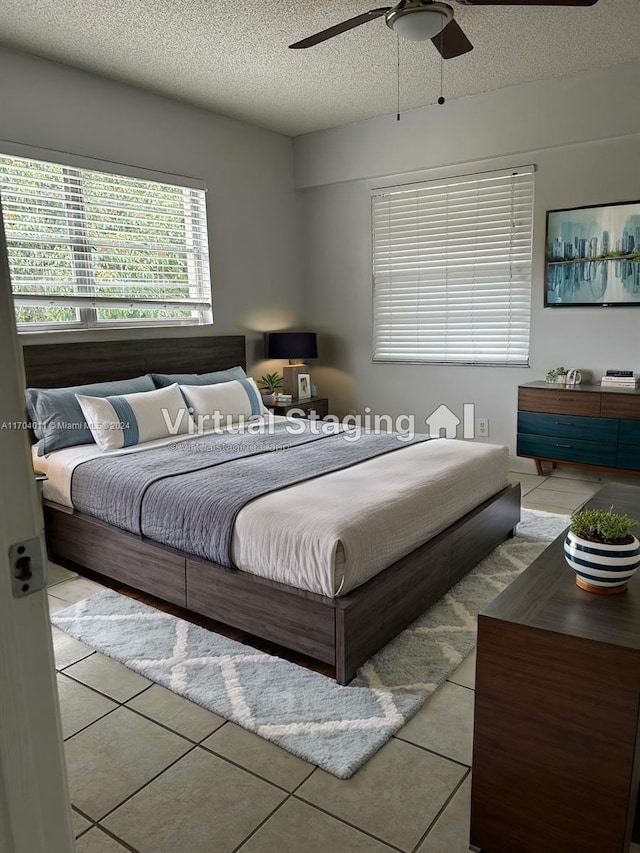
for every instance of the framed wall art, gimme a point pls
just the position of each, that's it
(593, 256)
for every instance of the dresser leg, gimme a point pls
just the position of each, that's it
(539, 467)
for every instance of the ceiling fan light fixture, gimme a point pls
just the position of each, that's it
(419, 21)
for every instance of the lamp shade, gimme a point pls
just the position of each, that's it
(292, 345)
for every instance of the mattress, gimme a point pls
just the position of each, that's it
(331, 534)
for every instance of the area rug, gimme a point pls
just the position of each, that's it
(337, 728)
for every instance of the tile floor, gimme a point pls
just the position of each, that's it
(151, 772)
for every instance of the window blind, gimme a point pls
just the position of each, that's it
(90, 248)
(452, 269)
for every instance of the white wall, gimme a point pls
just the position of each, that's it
(252, 204)
(583, 135)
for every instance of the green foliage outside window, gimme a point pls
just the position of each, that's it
(75, 232)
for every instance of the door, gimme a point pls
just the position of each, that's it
(34, 801)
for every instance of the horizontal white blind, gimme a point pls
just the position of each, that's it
(452, 270)
(93, 248)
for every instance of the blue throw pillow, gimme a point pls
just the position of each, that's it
(57, 417)
(163, 380)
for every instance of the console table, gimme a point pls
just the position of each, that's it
(582, 425)
(556, 758)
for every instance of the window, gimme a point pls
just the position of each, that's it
(92, 249)
(452, 270)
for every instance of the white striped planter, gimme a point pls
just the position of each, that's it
(601, 568)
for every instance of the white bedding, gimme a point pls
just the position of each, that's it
(331, 534)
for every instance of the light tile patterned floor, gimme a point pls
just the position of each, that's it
(555, 492)
(563, 489)
(151, 772)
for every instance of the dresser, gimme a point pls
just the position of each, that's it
(582, 425)
(556, 755)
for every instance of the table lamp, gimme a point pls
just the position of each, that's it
(295, 346)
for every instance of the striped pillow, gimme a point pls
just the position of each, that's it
(223, 403)
(128, 419)
(57, 418)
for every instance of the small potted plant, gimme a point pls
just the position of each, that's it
(602, 550)
(269, 385)
(557, 376)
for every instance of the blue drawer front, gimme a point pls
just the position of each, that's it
(569, 426)
(629, 457)
(629, 432)
(567, 449)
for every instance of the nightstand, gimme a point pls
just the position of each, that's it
(314, 407)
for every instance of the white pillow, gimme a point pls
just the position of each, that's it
(128, 419)
(223, 403)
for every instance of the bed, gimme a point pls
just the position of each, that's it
(338, 611)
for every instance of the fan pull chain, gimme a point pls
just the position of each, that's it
(441, 98)
(398, 76)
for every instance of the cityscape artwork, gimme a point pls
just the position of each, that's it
(593, 256)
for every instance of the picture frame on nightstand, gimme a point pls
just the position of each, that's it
(304, 386)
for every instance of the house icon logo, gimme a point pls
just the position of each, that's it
(443, 420)
(443, 423)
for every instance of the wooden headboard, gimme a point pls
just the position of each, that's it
(59, 365)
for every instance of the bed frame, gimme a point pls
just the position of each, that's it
(342, 632)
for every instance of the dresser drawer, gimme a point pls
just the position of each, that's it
(567, 450)
(558, 401)
(621, 405)
(629, 432)
(571, 426)
(629, 457)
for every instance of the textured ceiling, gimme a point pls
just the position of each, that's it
(232, 57)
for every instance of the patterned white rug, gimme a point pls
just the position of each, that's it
(337, 728)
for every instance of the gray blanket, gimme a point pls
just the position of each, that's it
(188, 494)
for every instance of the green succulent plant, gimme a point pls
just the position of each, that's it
(602, 525)
(270, 382)
(555, 373)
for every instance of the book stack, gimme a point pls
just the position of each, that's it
(620, 379)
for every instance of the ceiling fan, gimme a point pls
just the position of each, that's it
(420, 20)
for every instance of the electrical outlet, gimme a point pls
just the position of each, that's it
(482, 427)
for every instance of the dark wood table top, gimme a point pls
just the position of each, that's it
(583, 387)
(545, 595)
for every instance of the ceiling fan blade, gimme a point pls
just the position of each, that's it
(529, 2)
(451, 41)
(340, 28)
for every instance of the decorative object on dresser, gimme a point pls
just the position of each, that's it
(593, 256)
(557, 376)
(556, 756)
(620, 380)
(587, 425)
(296, 346)
(602, 551)
(314, 407)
